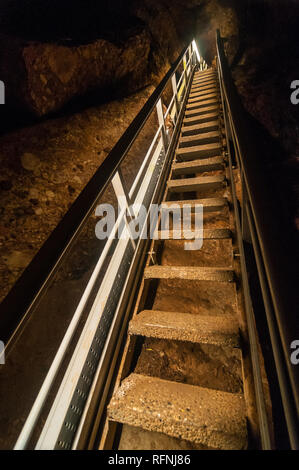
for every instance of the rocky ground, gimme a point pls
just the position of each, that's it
(44, 167)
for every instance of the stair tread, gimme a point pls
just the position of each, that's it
(202, 104)
(208, 203)
(203, 89)
(203, 82)
(207, 73)
(203, 110)
(195, 184)
(204, 72)
(200, 119)
(205, 164)
(214, 418)
(200, 137)
(200, 128)
(200, 98)
(197, 96)
(198, 179)
(196, 89)
(210, 69)
(221, 330)
(189, 273)
(204, 150)
(198, 78)
(206, 234)
(199, 85)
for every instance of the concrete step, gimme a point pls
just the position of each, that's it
(200, 128)
(196, 166)
(203, 82)
(203, 90)
(209, 69)
(209, 204)
(201, 111)
(199, 79)
(203, 97)
(202, 104)
(207, 234)
(204, 138)
(221, 330)
(199, 151)
(198, 86)
(189, 273)
(196, 184)
(204, 73)
(213, 418)
(197, 119)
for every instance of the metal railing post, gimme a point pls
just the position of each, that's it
(185, 72)
(161, 121)
(245, 224)
(123, 200)
(175, 93)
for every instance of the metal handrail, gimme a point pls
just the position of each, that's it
(29, 287)
(271, 235)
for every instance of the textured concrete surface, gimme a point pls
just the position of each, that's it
(197, 119)
(201, 104)
(204, 96)
(207, 150)
(198, 128)
(190, 273)
(191, 234)
(205, 365)
(209, 204)
(208, 89)
(209, 417)
(195, 184)
(219, 330)
(214, 163)
(212, 253)
(134, 438)
(203, 298)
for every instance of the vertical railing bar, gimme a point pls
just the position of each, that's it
(123, 196)
(161, 121)
(175, 94)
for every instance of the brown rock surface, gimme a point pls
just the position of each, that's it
(55, 73)
(44, 167)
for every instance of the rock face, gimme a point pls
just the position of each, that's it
(56, 73)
